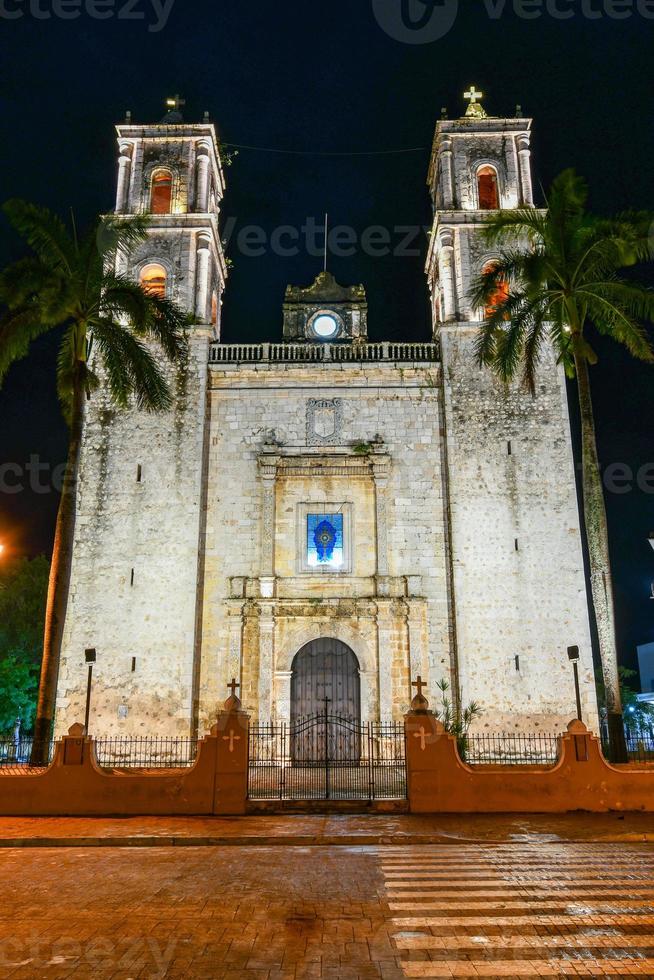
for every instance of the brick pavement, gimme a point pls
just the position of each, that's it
(338, 913)
(326, 829)
(522, 910)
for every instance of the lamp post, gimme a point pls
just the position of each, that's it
(90, 658)
(573, 657)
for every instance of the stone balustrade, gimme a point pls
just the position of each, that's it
(324, 353)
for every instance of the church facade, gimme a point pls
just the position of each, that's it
(326, 517)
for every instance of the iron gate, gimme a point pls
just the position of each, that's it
(327, 757)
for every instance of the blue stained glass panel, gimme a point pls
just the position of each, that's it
(325, 541)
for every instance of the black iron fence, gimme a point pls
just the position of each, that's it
(143, 752)
(509, 749)
(24, 755)
(640, 746)
(327, 757)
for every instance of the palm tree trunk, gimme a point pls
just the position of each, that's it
(600, 565)
(58, 587)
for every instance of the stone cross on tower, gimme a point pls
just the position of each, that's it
(475, 108)
(175, 103)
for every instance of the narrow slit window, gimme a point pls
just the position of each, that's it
(139, 473)
(131, 577)
(133, 665)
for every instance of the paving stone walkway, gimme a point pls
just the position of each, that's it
(516, 911)
(329, 913)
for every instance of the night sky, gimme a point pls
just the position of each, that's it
(320, 79)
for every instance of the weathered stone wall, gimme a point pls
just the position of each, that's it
(135, 570)
(518, 566)
(370, 609)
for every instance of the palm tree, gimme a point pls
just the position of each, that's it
(107, 325)
(558, 281)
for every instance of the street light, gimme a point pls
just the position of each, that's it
(90, 658)
(573, 657)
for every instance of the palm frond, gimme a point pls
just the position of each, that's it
(18, 328)
(515, 224)
(44, 232)
(611, 317)
(114, 232)
(132, 370)
(167, 326)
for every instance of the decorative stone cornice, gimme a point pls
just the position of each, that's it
(281, 463)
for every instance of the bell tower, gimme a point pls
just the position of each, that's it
(172, 172)
(519, 591)
(479, 165)
(138, 557)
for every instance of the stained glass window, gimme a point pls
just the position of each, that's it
(325, 547)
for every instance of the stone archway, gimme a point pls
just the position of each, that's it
(325, 668)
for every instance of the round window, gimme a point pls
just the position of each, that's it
(325, 326)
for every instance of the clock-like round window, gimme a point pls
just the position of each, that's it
(326, 326)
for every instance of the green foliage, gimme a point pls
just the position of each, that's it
(564, 272)
(18, 689)
(638, 715)
(455, 722)
(68, 284)
(23, 591)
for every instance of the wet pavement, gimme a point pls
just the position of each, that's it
(526, 908)
(323, 829)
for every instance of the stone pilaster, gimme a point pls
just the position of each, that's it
(417, 638)
(524, 162)
(124, 173)
(380, 469)
(385, 660)
(446, 260)
(234, 643)
(266, 650)
(268, 471)
(202, 276)
(447, 188)
(283, 695)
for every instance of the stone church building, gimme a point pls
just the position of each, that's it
(326, 516)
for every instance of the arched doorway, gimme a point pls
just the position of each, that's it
(325, 704)
(325, 668)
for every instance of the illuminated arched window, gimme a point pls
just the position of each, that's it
(161, 194)
(487, 189)
(214, 309)
(499, 296)
(153, 280)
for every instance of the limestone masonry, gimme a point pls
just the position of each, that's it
(326, 517)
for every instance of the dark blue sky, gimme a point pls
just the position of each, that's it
(325, 77)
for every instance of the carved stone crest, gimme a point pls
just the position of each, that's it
(324, 421)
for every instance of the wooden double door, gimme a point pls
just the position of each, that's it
(325, 703)
(322, 669)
